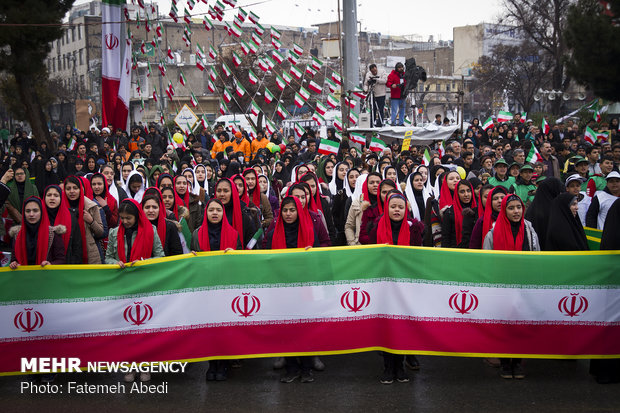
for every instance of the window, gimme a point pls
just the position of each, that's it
(73, 34)
(447, 87)
(74, 59)
(81, 81)
(81, 57)
(79, 31)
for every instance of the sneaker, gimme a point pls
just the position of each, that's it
(129, 377)
(412, 362)
(518, 372)
(307, 377)
(505, 372)
(317, 364)
(387, 377)
(279, 363)
(145, 376)
(401, 376)
(290, 377)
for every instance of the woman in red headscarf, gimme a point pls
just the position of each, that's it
(460, 217)
(215, 233)
(104, 198)
(257, 197)
(36, 242)
(189, 201)
(394, 227)
(167, 230)
(512, 232)
(370, 215)
(236, 212)
(134, 239)
(445, 186)
(320, 204)
(492, 207)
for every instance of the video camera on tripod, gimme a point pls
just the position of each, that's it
(413, 74)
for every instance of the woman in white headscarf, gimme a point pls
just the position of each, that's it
(417, 194)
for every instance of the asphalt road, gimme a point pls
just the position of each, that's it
(350, 383)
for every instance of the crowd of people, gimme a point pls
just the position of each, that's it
(112, 197)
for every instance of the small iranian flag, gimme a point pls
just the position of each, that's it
(533, 155)
(426, 159)
(200, 51)
(589, 135)
(597, 115)
(226, 95)
(338, 123)
(321, 108)
(212, 53)
(327, 147)
(310, 70)
(263, 65)
(488, 124)
(268, 96)
(259, 30)
(206, 23)
(223, 107)
(270, 61)
(210, 86)
(170, 55)
(204, 122)
(299, 100)
(239, 89)
(338, 135)
(280, 82)
(287, 78)
(277, 44)
(296, 72)
(213, 74)
(236, 31)
(297, 49)
(226, 70)
(154, 93)
(545, 126)
(318, 118)
(504, 116)
(377, 145)
(253, 77)
(277, 56)
(293, 58)
(332, 101)
(357, 138)
(245, 48)
(256, 39)
(236, 59)
(281, 111)
(603, 136)
(357, 91)
(353, 117)
(299, 131)
(315, 87)
(254, 108)
(253, 46)
(336, 77)
(350, 102)
(270, 126)
(275, 33)
(316, 63)
(242, 15)
(304, 93)
(193, 100)
(331, 85)
(441, 149)
(523, 117)
(71, 144)
(182, 79)
(254, 18)
(199, 63)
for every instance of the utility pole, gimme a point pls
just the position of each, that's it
(351, 53)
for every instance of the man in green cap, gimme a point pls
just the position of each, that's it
(581, 167)
(523, 187)
(501, 175)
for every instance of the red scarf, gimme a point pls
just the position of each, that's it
(365, 192)
(445, 196)
(245, 197)
(481, 207)
(108, 196)
(379, 200)
(161, 218)
(21, 250)
(487, 223)
(384, 227)
(185, 199)
(63, 216)
(502, 233)
(305, 229)
(316, 203)
(457, 207)
(80, 218)
(143, 244)
(88, 190)
(236, 204)
(228, 236)
(256, 193)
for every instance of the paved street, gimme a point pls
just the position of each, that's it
(350, 383)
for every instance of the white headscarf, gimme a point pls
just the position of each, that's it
(195, 188)
(205, 184)
(138, 196)
(359, 186)
(415, 211)
(268, 184)
(124, 183)
(332, 183)
(383, 174)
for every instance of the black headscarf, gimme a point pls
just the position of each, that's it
(610, 240)
(32, 232)
(282, 175)
(432, 173)
(538, 212)
(133, 210)
(565, 232)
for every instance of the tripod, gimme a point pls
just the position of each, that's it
(374, 107)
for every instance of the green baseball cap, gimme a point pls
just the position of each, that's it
(500, 161)
(526, 167)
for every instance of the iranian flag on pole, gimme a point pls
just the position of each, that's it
(353, 117)
(263, 65)
(545, 127)
(504, 116)
(71, 144)
(236, 59)
(253, 17)
(281, 112)
(331, 85)
(315, 87)
(239, 89)
(426, 160)
(533, 155)
(223, 107)
(377, 145)
(297, 49)
(259, 30)
(270, 126)
(332, 101)
(336, 77)
(193, 100)
(326, 147)
(277, 56)
(277, 44)
(338, 123)
(441, 150)
(268, 96)
(299, 131)
(603, 136)
(299, 100)
(488, 123)
(296, 72)
(316, 63)
(280, 82)
(523, 117)
(254, 108)
(212, 53)
(321, 108)
(287, 78)
(182, 79)
(253, 77)
(357, 138)
(304, 93)
(226, 70)
(226, 95)
(115, 71)
(275, 33)
(210, 86)
(318, 118)
(589, 135)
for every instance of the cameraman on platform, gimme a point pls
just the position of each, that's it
(396, 82)
(374, 85)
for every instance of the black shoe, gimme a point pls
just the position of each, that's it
(412, 362)
(307, 377)
(518, 372)
(401, 376)
(387, 377)
(317, 364)
(505, 372)
(290, 377)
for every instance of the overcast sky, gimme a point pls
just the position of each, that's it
(388, 17)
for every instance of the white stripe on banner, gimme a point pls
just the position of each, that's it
(434, 302)
(111, 39)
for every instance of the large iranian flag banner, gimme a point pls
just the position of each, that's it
(116, 65)
(322, 301)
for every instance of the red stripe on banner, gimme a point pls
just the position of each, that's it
(109, 96)
(413, 336)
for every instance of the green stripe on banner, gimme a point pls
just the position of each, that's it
(325, 265)
(594, 238)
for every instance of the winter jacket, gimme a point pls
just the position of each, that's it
(395, 78)
(93, 230)
(111, 254)
(354, 222)
(530, 240)
(55, 244)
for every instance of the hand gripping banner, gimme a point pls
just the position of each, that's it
(323, 301)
